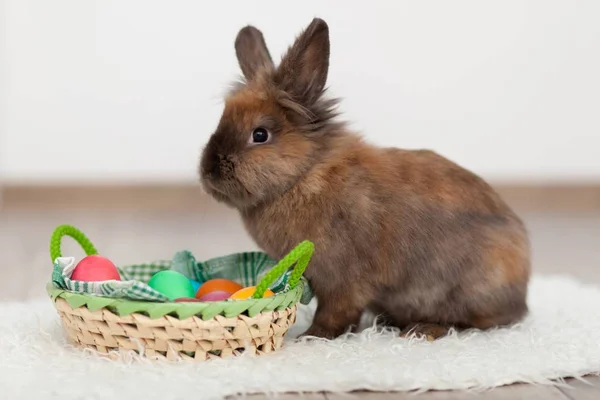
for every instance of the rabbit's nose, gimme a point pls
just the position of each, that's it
(225, 166)
(221, 167)
(214, 171)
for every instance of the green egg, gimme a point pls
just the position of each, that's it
(172, 284)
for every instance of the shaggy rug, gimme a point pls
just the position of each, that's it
(560, 338)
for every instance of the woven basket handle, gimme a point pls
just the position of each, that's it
(68, 230)
(300, 256)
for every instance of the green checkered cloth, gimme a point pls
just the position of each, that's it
(247, 269)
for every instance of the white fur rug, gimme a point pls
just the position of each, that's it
(560, 338)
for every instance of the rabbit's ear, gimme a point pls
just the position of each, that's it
(252, 52)
(303, 70)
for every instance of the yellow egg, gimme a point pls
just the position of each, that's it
(247, 292)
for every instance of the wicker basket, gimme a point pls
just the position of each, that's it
(171, 330)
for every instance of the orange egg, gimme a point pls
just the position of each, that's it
(224, 285)
(247, 292)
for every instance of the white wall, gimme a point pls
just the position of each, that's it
(130, 90)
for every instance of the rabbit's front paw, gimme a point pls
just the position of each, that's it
(431, 332)
(316, 331)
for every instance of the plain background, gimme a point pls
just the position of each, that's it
(128, 91)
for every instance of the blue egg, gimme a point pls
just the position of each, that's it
(196, 285)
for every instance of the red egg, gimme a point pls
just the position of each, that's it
(95, 268)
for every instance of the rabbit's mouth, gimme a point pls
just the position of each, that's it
(230, 191)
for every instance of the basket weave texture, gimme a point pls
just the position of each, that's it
(172, 338)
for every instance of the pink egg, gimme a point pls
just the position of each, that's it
(187, 300)
(217, 295)
(95, 268)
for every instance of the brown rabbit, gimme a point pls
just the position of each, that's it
(406, 234)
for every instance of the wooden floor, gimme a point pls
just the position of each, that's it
(142, 224)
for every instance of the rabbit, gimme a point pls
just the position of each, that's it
(408, 235)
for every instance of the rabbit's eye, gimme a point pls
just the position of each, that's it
(260, 135)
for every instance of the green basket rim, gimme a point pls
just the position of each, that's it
(203, 310)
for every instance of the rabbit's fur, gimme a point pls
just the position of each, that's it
(409, 235)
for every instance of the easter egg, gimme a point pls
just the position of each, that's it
(217, 295)
(247, 292)
(95, 268)
(224, 285)
(187, 300)
(196, 285)
(172, 284)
